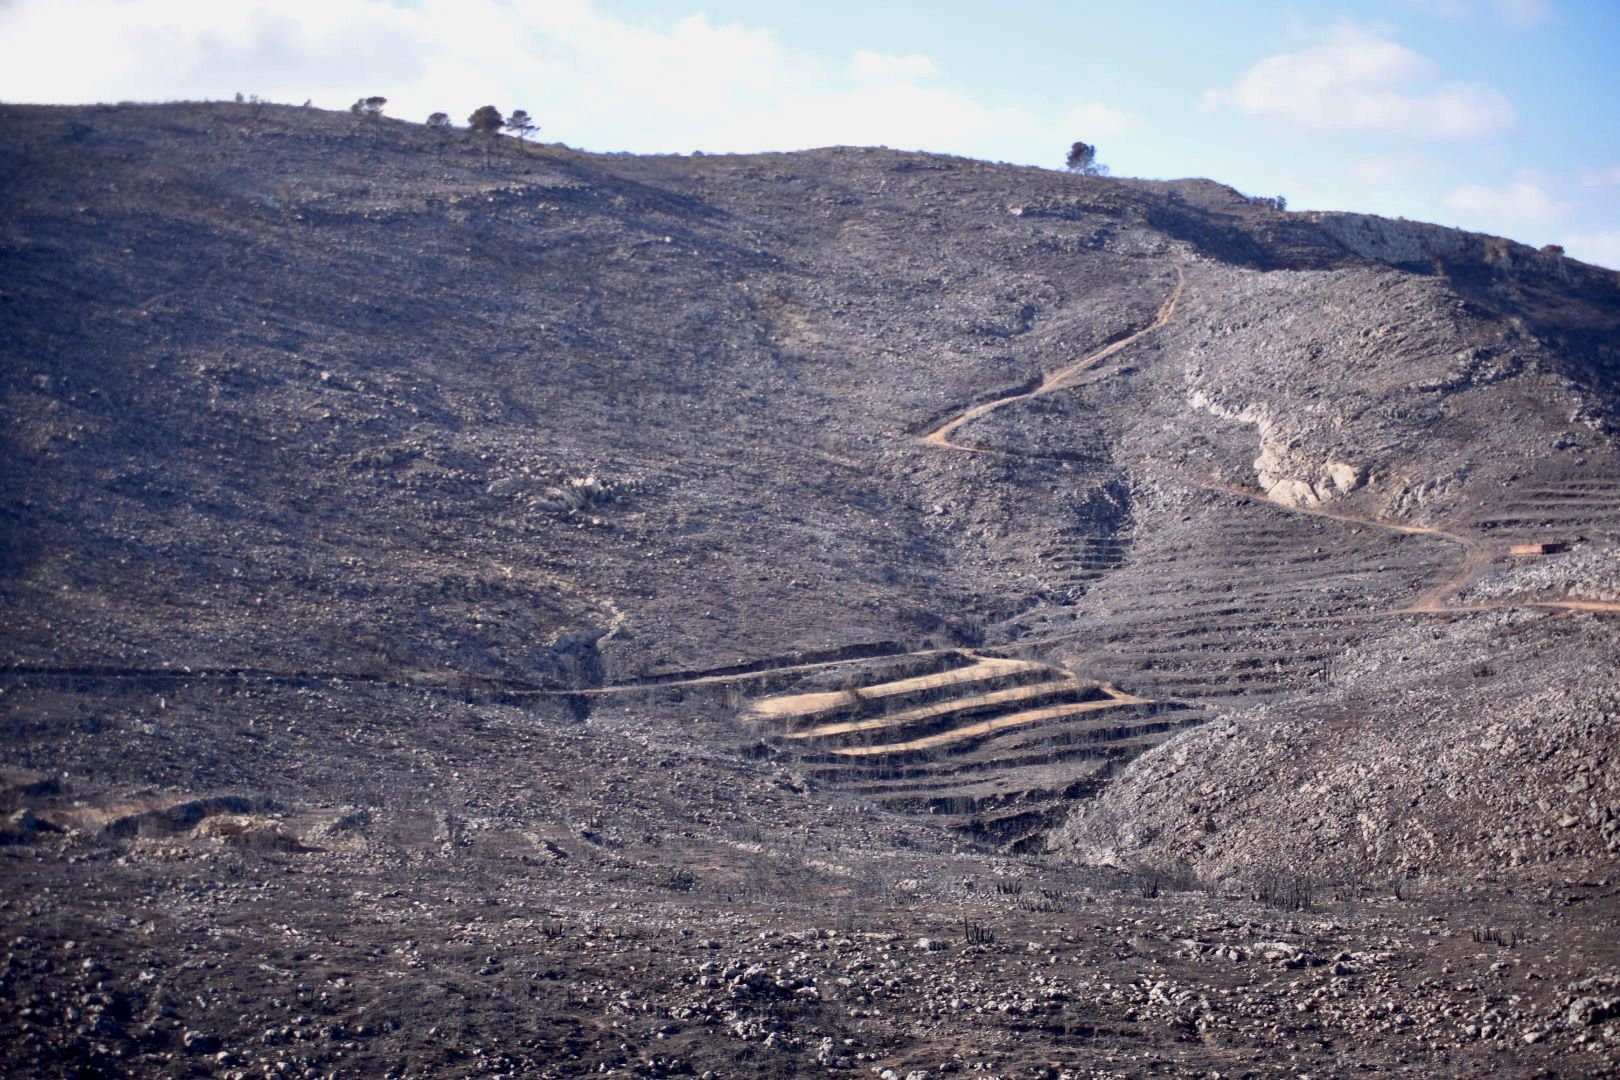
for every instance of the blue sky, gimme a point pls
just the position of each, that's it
(1497, 115)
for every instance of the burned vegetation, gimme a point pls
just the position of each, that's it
(474, 607)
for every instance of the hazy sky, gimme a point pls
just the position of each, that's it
(1497, 115)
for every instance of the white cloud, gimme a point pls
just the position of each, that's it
(1521, 202)
(97, 50)
(589, 78)
(1360, 81)
(1602, 248)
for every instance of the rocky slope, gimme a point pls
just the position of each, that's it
(479, 610)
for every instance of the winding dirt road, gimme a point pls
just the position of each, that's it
(1058, 379)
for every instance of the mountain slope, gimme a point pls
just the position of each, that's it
(442, 510)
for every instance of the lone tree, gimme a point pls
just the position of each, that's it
(369, 106)
(1083, 160)
(439, 124)
(487, 120)
(521, 125)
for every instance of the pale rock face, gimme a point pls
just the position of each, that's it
(1332, 480)
(1346, 477)
(1275, 474)
(1293, 493)
(1399, 242)
(1273, 477)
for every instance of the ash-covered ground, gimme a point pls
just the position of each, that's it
(483, 611)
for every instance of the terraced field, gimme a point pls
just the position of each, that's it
(1260, 606)
(990, 744)
(1070, 567)
(1558, 511)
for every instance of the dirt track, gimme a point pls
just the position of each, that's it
(1476, 560)
(940, 437)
